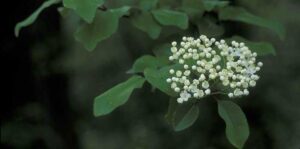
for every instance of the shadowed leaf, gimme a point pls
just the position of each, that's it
(237, 129)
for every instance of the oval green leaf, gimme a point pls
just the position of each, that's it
(237, 129)
(28, 21)
(103, 26)
(240, 14)
(170, 17)
(116, 96)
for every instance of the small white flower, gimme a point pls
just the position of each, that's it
(205, 84)
(252, 83)
(246, 92)
(179, 100)
(194, 67)
(172, 71)
(207, 91)
(174, 43)
(186, 66)
(178, 73)
(169, 80)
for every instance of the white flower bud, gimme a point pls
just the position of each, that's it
(187, 73)
(194, 67)
(246, 92)
(169, 80)
(173, 49)
(174, 43)
(230, 95)
(205, 84)
(181, 61)
(207, 91)
(252, 83)
(179, 100)
(178, 73)
(172, 71)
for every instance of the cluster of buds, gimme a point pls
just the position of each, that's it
(206, 62)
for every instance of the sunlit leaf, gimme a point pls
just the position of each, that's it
(28, 21)
(145, 22)
(86, 9)
(116, 96)
(240, 14)
(170, 17)
(103, 26)
(261, 48)
(237, 129)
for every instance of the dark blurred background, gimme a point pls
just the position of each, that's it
(49, 82)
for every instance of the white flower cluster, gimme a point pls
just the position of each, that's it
(206, 62)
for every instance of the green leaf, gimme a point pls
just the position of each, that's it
(157, 78)
(181, 116)
(103, 26)
(147, 4)
(185, 116)
(146, 61)
(28, 21)
(261, 48)
(240, 14)
(193, 7)
(170, 17)
(147, 24)
(116, 96)
(237, 129)
(86, 9)
(210, 5)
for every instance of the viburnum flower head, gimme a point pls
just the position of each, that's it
(207, 64)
